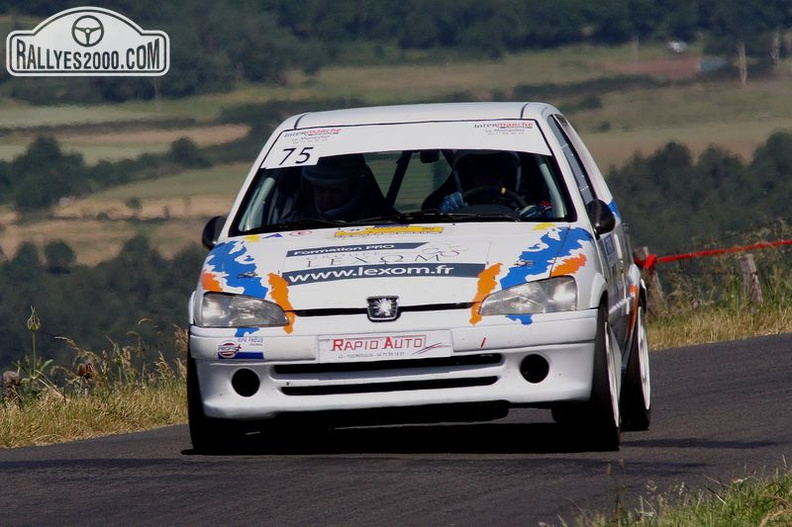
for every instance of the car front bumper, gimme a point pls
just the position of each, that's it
(498, 361)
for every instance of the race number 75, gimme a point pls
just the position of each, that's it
(302, 157)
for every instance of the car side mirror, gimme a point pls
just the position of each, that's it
(211, 231)
(602, 218)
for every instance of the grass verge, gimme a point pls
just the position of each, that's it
(691, 326)
(114, 391)
(55, 418)
(754, 500)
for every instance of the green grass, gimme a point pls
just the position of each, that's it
(20, 115)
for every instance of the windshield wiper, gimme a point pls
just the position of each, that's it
(302, 223)
(434, 216)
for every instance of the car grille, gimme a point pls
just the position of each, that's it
(370, 370)
(388, 386)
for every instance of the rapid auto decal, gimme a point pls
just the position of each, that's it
(366, 347)
(326, 264)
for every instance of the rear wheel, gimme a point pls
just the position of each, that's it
(597, 420)
(636, 393)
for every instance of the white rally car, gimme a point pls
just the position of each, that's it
(419, 263)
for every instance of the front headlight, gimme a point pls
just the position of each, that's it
(219, 310)
(544, 296)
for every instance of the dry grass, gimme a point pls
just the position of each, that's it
(716, 324)
(55, 419)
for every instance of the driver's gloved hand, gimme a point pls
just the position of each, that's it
(452, 202)
(542, 210)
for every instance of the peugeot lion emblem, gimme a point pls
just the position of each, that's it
(383, 308)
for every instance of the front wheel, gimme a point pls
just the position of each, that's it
(636, 394)
(597, 421)
(206, 433)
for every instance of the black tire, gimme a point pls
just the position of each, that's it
(596, 422)
(636, 393)
(207, 434)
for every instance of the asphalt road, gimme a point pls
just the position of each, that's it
(721, 411)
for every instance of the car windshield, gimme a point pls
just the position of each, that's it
(306, 183)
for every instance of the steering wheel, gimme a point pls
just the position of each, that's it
(495, 192)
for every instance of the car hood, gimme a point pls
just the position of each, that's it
(420, 264)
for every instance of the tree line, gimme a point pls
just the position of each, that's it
(44, 174)
(138, 296)
(674, 202)
(215, 43)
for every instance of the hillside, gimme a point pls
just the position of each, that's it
(616, 115)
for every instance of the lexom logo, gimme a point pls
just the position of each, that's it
(86, 42)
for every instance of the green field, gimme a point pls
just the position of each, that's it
(222, 180)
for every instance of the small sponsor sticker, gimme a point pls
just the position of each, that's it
(504, 127)
(228, 350)
(248, 347)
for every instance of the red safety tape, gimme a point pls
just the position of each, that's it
(652, 259)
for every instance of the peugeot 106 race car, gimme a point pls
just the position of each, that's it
(419, 263)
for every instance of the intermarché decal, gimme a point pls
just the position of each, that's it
(329, 274)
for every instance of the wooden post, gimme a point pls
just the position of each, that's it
(751, 279)
(655, 298)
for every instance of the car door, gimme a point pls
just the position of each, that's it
(611, 244)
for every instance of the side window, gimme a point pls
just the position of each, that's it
(581, 176)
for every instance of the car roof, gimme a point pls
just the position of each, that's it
(413, 113)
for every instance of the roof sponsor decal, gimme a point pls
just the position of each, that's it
(509, 127)
(304, 147)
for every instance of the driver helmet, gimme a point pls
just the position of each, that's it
(335, 186)
(487, 168)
